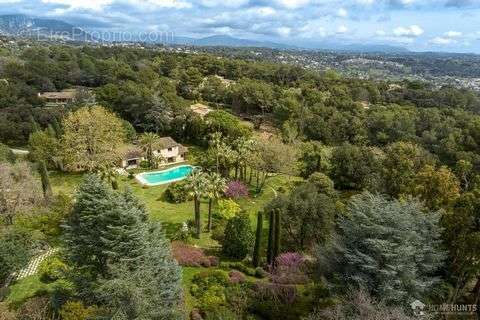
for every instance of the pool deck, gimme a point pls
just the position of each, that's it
(141, 179)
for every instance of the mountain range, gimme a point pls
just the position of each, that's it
(26, 26)
(19, 25)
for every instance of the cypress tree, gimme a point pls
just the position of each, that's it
(34, 124)
(258, 240)
(271, 228)
(46, 187)
(57, 128)
(238, 237)
(276, 243)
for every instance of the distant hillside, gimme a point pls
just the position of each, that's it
(227, 41)
(26, 26)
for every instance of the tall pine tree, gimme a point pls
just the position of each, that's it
(119, 257)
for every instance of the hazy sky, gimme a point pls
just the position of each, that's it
(438, 25)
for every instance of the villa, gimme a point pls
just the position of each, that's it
(60, 98)
(168, 151)
(200, 109)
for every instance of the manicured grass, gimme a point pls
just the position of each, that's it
(24, 289)
(173, 215)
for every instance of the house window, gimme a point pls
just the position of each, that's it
(132, 162)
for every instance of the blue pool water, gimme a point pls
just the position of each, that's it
(165, 176)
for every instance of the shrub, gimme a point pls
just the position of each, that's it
(208, 278)
(34, 308)
(238, 239)
(360, 305)
(236, 277)
(195, 314)
(15, 251)
(75, 310)
(276, 292)
(218, 232)
(211, 298)
(6, 155)
(176, 192)
(189, 256)
(221, 313)
(258, 272)
(227, 209)
(184, 233)
(236, 190)
(289, 269)
(52, 269)
(209, 289)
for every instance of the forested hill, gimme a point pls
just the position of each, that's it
(303, 105)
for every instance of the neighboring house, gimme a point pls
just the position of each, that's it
(132, 156)
(59, 98)
(168, 152)
(200, 109)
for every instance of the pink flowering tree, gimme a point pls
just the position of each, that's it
(236, 190)
(289, 269)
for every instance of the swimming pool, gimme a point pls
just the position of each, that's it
(165, 176)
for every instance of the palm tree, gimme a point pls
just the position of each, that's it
(216, 143)
(216, 186)
(196, 184)
(148, 142)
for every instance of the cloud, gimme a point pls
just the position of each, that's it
(284, 31)
(453, 34)
(412, 31)
(223, 3)
(173, 4)
(312, 29)
(373, 21)
(365, 2)
(342, 13)
(342, 29)
(441, 41)
(293, 4)
(264, 11)
(95, 5)
(459, 3)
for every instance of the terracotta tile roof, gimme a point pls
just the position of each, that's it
(66, 94)
(167, 142)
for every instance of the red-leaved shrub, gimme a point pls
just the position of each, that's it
(189, 256)
(236, 277)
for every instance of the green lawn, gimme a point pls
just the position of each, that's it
(24, 289)
(171, 216)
